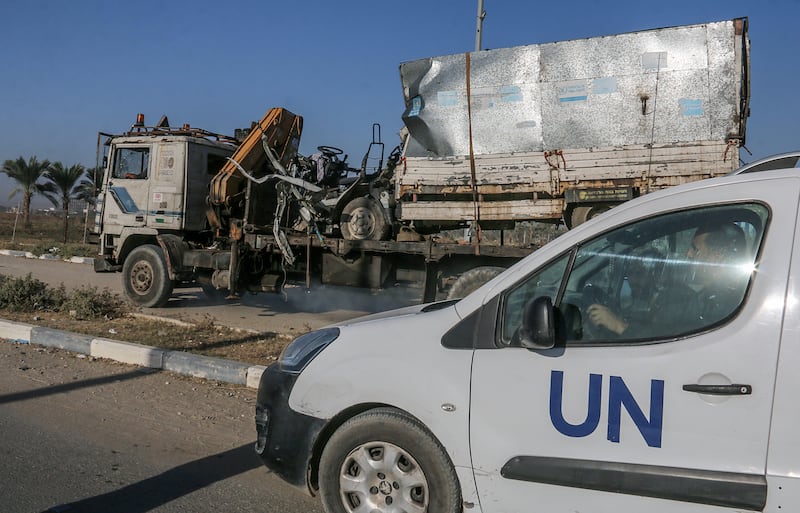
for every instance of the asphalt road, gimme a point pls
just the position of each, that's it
(298, 310)
(79, 435)
(92, 436)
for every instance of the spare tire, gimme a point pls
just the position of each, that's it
(362, 219)
(583, 213)
(471, 280)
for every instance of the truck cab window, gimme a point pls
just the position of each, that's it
(660, 278)
(132, 163)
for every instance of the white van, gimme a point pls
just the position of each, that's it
(645, 361)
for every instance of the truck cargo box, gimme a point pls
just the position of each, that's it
(534, 132)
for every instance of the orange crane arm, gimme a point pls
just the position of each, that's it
(281, 131)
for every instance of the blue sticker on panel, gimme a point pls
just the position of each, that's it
(509, 94)
(572, 91)
(416, 106)
(605, 85)
(691, 107)
(447, 98)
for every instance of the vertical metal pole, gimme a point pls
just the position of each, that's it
(479, 29)
(16, 218)
(308, 261)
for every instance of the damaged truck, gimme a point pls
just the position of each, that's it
(555, 132)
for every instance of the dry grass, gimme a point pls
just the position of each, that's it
(204, 338)
(45, 233)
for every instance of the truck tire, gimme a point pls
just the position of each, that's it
(472, 280)
(145, 277)
(362, 219)
(386, 460)
(583, 213)
(212, 294)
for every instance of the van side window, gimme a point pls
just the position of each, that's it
(658, 278)
(544, 282)
(131, 163)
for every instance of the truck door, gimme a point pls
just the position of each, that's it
(126, 199)
(670, 410)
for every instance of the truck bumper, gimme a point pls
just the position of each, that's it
(285, 439)
(104, 265)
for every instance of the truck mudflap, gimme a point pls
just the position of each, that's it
(173, 247)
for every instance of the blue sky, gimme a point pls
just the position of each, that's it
(69, 69)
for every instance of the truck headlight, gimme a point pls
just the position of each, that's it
(304, 348)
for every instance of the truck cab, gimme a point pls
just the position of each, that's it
(155, 184)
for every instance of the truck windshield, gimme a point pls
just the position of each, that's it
(132, 163)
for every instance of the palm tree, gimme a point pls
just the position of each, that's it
(89, 185)
(26, 174)
(62, 187)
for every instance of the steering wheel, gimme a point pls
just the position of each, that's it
(330, 150)
(593, 295)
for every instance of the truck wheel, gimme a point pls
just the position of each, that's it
(583, 213)
(385, 460)
(471, 280)
(213, 294)
(145, 277)
(362, 219)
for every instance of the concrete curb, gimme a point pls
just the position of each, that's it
(217, 369)
(46, 256)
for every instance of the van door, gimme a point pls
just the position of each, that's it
(667, 409)
(783, 461)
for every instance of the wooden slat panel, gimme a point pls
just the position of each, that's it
(704, 159)
(493, 211)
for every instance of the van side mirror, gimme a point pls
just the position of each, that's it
(538, 324)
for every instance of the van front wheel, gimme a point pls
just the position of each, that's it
(385, 460)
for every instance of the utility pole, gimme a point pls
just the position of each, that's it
(479, 30)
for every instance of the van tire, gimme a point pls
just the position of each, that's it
(362, 219)
(472, 280)
(367, 437)
(145, 278)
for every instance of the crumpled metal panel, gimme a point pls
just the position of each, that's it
(658, 86)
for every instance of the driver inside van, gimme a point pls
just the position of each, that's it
(712, 290)
(642, 272)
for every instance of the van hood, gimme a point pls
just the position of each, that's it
(399, 312)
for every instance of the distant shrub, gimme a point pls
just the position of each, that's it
(89, 303)
(31, 295)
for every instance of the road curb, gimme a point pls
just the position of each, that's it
(27, 254)
(217, 369)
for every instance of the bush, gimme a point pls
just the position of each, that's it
(31, 295)
(88, 303)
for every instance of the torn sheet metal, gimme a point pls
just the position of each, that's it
(659, 86)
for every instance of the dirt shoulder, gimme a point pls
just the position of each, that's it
(205, 338)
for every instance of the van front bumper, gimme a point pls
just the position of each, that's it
(285, 439)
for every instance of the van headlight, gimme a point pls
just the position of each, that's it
(304, 348)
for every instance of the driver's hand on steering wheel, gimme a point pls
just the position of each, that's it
(601, 315)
